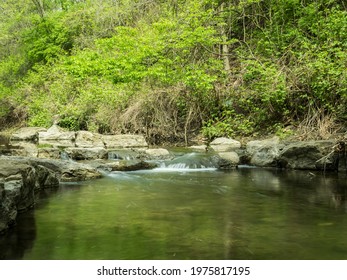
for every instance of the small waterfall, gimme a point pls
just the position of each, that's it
(122, 155)
(189, 162)
(64, 156)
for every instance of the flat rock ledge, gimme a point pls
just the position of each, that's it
(22, 178)
(19, 182)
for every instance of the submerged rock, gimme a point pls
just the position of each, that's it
(133, 165)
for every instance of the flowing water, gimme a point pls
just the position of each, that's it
(186, 209)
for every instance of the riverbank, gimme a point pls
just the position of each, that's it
(33, 159)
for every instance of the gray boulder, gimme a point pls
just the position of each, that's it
(24, 149)
(68, 171)
(125, 165)
(86, 139)
(263, 153)
(159, 153)
(57, 137)
(27, 134)
(52, 153)
(224, 144)
(199, 148)
(310, 155)
(124, 141)
(18, 182)
(228, 160)
(86, 153)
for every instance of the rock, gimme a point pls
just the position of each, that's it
(310, 155)
(199, 148)
(133, 165)
(46, 178)
(24, 149)
(18, 182)
(68, 171)
(223, 144)
(122, 165)
(158, 153)
(228, 160)
(27, 134)
(124, 141)
(57, 137)
(263, 153)
(52, 153)
(86, 153)
(86, 139)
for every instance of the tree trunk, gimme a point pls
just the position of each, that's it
(40, 7)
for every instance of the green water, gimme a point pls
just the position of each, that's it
(184, 214)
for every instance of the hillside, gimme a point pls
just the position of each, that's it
(174, 69)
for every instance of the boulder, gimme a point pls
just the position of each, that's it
(68, 171)
(27, 134)
(57, 137)
(263, 153)
(124, 141)
(223, 144)
(228, 160)
(52, 153)
(86, 153)
(159, 153)
(23, 149)
(199, 148)
(310, 155)
(132, 165)
(18, 182)
(86, 139)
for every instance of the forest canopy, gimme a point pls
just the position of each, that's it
(175, 69)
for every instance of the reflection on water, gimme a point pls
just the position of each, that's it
(241, 214)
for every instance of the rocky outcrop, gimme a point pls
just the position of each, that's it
(133, 165)
(30, 134)
(86, 153)
(57, 137)
(50, 153)
(159, 153)
(124, 141)
(68, 171)
(24, 149)
(223, 144)
(310, 155)
(18, 182)
(86, 139)
(228, 160)
(263, 153)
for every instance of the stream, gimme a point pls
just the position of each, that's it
(186, 209)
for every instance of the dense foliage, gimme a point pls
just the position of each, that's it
(173, 69)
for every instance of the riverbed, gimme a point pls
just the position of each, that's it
(180, 212)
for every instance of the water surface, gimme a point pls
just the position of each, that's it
(184, 213)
